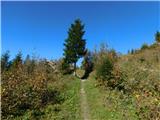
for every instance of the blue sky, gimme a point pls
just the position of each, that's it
(41, 27)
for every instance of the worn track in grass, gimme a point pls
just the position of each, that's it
(84, 104)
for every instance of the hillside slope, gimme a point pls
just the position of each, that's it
(139, 97)
(142, 81)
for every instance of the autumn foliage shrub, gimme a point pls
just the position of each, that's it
(107, 71)
(142, 82)
(22, 91)
(136, 76)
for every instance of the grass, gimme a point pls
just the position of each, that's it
(108, 105)
(71, 106)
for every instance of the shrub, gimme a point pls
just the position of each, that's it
(144, 46)
(87, 64)
(65, 67)
(142, 83)
(104, 69)
(154, 45)
(24, 90)
(107, 70)
(21, 92)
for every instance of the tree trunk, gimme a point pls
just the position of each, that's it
(75, 69)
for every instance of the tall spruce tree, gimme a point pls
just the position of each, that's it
(74, 44)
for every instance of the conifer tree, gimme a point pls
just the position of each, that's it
(17, 62)
(157, 37)
(74, 44)
(132, 51)
(5, 61)
(29, 65)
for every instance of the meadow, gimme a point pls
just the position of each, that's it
(119, 87)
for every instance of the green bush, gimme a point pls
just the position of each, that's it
(109, 74)
(104, 70)
(144, 46)
(107, 69)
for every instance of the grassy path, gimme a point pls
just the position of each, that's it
(84, 104)
(71, 107)
(95, 101)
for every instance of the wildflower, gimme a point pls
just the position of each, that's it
(137, 96)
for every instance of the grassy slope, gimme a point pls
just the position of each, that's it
(114, 105)
(143, 76)
(149, 58)
(107, 105)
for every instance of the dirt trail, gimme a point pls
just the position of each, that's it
(84, 104)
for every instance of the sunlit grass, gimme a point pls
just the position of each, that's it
(106, 105)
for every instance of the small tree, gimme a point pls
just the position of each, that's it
(157, 37)
(132, 51)
(128, 52)
(29, 65)
(5, 61)
(17, 62)
(144, 46)
(74, 44)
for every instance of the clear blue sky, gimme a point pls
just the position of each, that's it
(41, 27)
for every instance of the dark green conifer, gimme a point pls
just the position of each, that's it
(157, 37)
(5, 61)
(74, 44)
